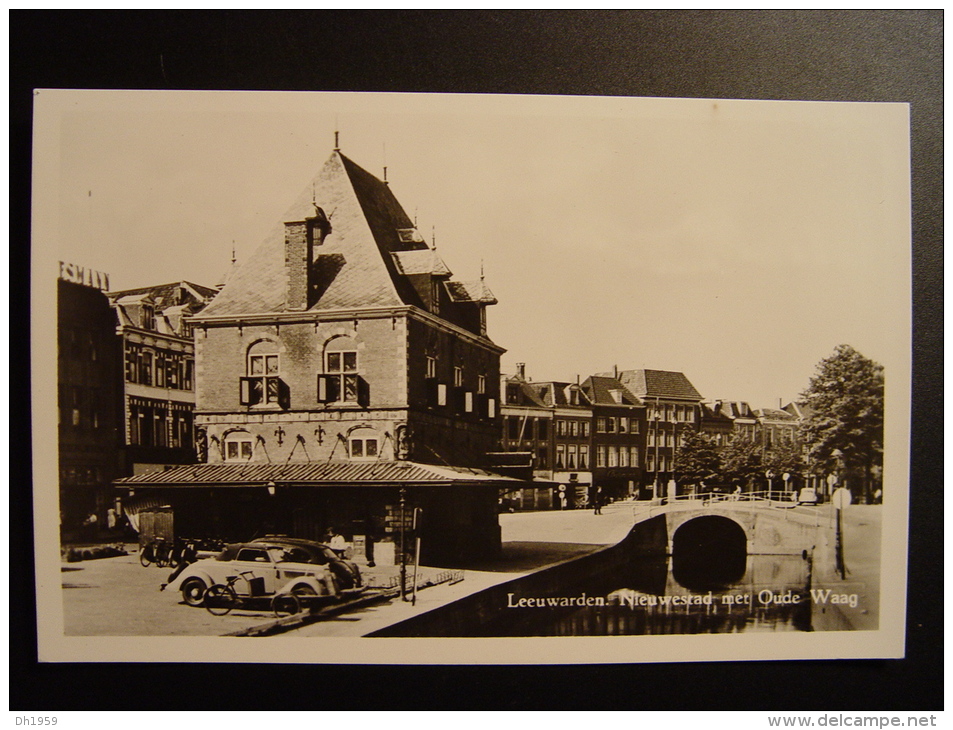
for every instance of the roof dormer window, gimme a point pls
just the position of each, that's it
(318, 227)
(148, 317)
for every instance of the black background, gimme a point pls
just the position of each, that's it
(892, 56)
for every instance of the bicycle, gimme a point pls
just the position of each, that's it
(158, 551)
(222, 598)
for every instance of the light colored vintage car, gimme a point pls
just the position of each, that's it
(260, 570)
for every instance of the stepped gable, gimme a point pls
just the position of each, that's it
(658, 384)
(354, 264)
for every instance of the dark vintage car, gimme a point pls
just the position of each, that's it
(346, 573)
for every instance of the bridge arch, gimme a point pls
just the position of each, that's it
(709, 552)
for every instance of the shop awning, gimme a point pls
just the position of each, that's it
(340, 474)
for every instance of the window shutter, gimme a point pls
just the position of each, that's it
(284, 394)
(244, 396)
(322, 389)
(491, 408)
(468, 402)
(363, 392)
(441, 394)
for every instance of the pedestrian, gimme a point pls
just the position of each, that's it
(111, 519)
(336, 542)
(369, 530)
(597, 501)
(90, 524)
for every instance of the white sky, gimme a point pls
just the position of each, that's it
(738, 242)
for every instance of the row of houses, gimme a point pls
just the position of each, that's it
(342, 376)
(616, 434)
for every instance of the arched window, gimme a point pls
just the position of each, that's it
(239, 446)
(262, 385)
(363, 444)
(341, 381)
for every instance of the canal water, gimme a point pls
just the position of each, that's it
(653, 595)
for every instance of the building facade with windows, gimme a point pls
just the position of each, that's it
(345, 344)
(672, 405)
(726, 419)
(618, 437)
(158, 352)
(90, 398)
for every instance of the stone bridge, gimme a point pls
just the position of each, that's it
(756, 526)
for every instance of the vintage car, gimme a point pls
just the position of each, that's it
(346, 573)
(261, 569)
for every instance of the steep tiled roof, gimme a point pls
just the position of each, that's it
(773, 414)
(714, 412)
(658, 384)
(470, 291)
(356, 272)
(310, 474)
(599, 390)
(425, 261)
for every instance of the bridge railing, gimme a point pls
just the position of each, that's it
(769, 500)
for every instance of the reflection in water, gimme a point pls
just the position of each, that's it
(647, 597)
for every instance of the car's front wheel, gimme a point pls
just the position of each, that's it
(193, 591)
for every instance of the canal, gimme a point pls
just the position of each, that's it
(634, 588)
(651, 596)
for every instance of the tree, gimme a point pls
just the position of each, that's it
(845, 405)
(741, 461)
(781, 459)
(697, 459)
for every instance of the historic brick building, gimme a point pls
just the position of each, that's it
(618, 437)
(89, 384)
(724, 419)
(344, 344)
(672, 404)
(153, 324)
(550, 422)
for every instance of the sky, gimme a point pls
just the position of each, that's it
(738, 242)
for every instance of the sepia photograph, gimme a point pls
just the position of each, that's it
(469, 379)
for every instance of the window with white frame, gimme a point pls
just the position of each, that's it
(560, 456)
(633, 456)
(613, 456)
(239, 447)
(341, 381)
(431, 367)
(623, 456)
(583, 457)
(262, 385)
(611, 424)
(600, 457)
(457, 377)
(585, 428)
(601, 424)
(481, 384)
(572, 453)
(623, 424)
(574, 428)
(363, 448)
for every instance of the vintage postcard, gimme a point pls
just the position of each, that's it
(399, 378)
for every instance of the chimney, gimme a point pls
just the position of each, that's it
(615, 372)
(298, 249)
(521, 370)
